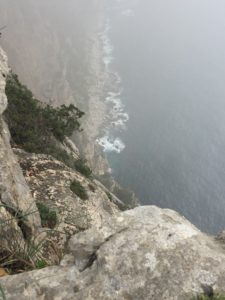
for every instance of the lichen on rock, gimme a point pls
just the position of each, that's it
(50, 182)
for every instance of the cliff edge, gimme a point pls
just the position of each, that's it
(42, 201)
(52, 214)
(15, 196)
(144, 253)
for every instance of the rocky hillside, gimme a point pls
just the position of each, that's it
(42, 201)
(67, 237)
(62, 43)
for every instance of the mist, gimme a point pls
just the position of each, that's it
(170, 55)
(55, 37)
(164, 128)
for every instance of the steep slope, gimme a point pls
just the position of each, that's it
(61, 42)
(50, 182)
(144, 253)
(15, 196)
(59, 201)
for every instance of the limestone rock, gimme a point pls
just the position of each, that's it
(3, 73)
(145, 253)
(71, 148)
(15, 197)
(148, 253)
(50, 180)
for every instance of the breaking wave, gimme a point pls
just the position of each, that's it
(117, 116)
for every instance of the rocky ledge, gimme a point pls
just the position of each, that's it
(144, 253)
(50, 182)
(102, 253)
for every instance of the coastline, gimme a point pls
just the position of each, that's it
(104, 110)
(70, 67)
(106, 116)
(96, 114)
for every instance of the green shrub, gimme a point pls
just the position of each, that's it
(34, 126)
(81, 166)
(63, 120)
(48, 216)
(22, 251)
(78, 189)
(40, 264)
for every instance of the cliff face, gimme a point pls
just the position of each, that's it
(3, 74)
(15, 196)
(61, 42)
(41, 198)
(50, 183)
(144, 253)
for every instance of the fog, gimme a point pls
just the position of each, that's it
(169, 61)
(170, 55)
(48, 45)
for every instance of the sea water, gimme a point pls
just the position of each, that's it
(166, 137)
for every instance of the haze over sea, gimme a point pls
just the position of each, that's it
(170, 56)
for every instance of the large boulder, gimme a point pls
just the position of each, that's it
(144, 253)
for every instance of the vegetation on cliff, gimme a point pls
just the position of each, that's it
(78, 189)
(48, 216)
(39, 128)
(33, 125)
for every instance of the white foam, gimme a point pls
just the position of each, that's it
(117, 117)
(111, 144)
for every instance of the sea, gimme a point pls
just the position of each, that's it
(166, 135)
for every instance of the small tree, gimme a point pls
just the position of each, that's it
(33, 126)
(62, 121)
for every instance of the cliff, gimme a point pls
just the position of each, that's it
(15, 196)
(65, 52)
(61, 42)
(51, 214)
(42, 201)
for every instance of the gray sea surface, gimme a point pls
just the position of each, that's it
(170, 56)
